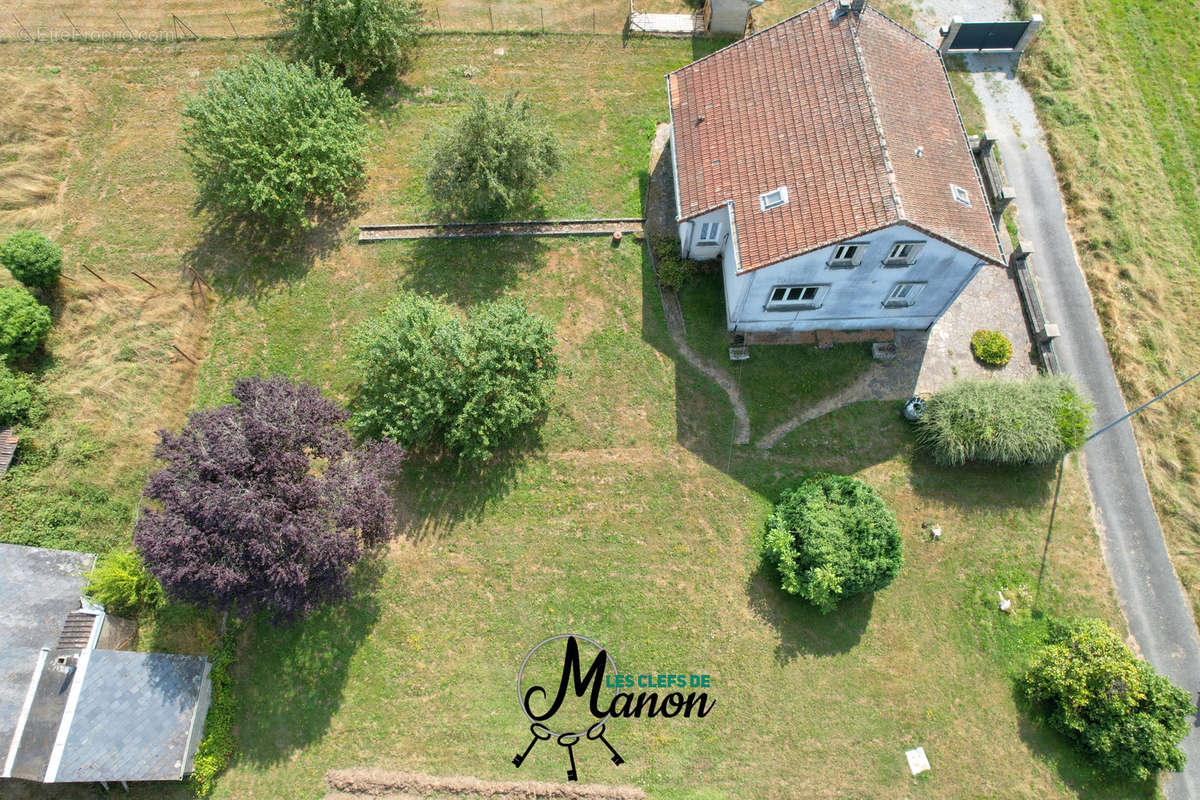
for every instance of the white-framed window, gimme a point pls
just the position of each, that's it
(848, 254)
(902, 254)
(960, 194)
(710, 233)
(903, 294)
(785, 298)
(773, 199)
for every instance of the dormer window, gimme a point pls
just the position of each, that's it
(847, 255)
(903, 254)
(960, 195)
(773, 199)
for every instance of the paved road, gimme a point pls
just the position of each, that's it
(1160, 617)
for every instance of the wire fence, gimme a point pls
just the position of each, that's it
(87, 23)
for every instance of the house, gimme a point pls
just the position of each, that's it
(71, 709)
(824, 162)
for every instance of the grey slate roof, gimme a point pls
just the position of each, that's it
(37, 589)
(136, 716)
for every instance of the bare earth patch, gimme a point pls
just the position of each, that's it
(351, 783)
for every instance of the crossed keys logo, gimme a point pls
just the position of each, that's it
(591, 725)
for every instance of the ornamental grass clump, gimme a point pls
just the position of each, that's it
(1035, 421)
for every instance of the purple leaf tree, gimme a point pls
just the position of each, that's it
(266, 503)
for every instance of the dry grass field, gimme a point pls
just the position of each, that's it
(1118, 91)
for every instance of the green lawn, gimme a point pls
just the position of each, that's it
(1117, 88)
(630, 519)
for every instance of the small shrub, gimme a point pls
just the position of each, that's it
(19, 398)
(673, 269)
(493, 159)
(359, 38)
(32, 259)
(121, 583)
(269, 141)
(24, 322)
(1034, 421)
(991, 347)
(1112, 704)
(832, 538)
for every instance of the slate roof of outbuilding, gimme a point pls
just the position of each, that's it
(835, 109)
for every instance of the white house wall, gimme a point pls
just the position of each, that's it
(856, 295)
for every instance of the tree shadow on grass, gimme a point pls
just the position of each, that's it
(245, 257)
(290, 679)
(435, 494)
(1072, 766)
(803, 629)
(468, 271)
(976, 486)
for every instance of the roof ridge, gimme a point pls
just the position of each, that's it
(888, 167)
(754, 35)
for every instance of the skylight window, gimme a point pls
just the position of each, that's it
(773, 199)
(960, 194)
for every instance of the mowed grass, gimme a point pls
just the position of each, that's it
(629, 519)
(777, 381)
(1117, 85)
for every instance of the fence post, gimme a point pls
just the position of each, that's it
(73, 25)
(593, 22)
(491, 19)
(14, 16)
(542, 15)
(126, 24)
(235, 30)
(1035, 22)
(948, 35)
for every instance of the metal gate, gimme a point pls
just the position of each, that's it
(988, 37)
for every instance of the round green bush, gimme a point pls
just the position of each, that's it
(991, 347)
(24, 322)
(32, 259)
(1125, 716)
(831, 538)
(18, 397)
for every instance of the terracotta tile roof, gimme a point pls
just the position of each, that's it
(835, 110)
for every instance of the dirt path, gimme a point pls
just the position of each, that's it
(659, 200)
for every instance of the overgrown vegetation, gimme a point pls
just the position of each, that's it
(1117, 89)
(1014, 422)
(273, 142)
(265, 503)
(32, 259)
(218, 744)
(24, 323)
(673, 269)
(121, 583)
(20, 399)
(832, 537)
(493, 159)
(991, 347)
(360, 38)
(433, 382)
(1094, 690)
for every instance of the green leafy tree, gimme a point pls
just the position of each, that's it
(434, 382)
(270, 141)
(492, 161)
(1035, 421)
(19, 397)
(359, 38)
(24, 322)
(832, 537)
(32, 259)
(1112, 704)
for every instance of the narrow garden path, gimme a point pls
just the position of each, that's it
(659, 216)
